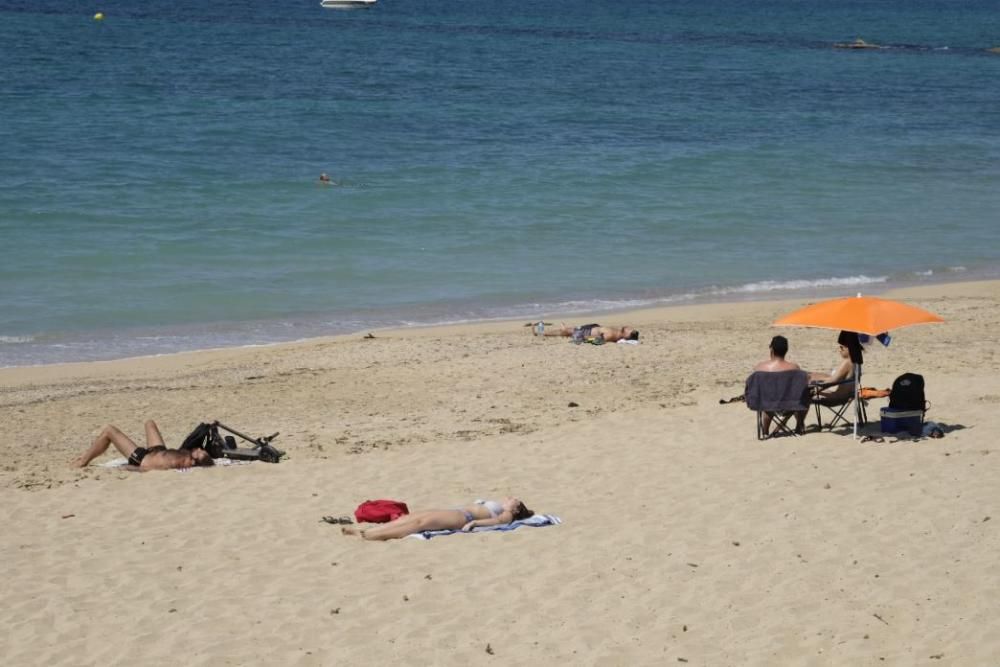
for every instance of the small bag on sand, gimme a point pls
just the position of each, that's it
(380, 511)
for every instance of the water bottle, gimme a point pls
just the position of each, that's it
(540, 328)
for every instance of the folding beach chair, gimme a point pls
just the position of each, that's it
(838, 404)
(778, 394)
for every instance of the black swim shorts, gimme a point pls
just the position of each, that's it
(137, 455)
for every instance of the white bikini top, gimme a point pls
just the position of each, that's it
(492, 506)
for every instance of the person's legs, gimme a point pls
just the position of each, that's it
(109, 435)
(402, 525)
(765, 424)
(412, 523)
(153, 437)
(563, 331)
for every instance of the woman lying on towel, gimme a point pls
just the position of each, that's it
(480, 513)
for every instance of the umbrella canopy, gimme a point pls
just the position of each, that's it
(862, 314)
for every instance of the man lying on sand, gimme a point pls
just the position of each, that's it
(582, 333)
(154, 456)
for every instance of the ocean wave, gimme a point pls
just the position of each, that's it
(713, 293)
(15, 340)
(788, 285)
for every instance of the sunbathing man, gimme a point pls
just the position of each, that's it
(775, 364)
(587, 331)
(154, 456)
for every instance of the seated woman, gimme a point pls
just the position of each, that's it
(840, 377)
(480, 513)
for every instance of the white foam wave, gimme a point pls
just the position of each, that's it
(14, 340)
(776, 286)
(712, 293)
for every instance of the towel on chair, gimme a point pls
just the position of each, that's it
(778, 391)
(536, 520)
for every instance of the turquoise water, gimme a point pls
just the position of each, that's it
(158, 180)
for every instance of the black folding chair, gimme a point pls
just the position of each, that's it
(778, 395)
(838, 403)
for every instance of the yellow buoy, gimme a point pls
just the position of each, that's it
(99, 16)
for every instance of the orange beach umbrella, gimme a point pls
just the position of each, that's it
(862, 314)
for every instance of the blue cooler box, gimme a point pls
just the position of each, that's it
(894, 421)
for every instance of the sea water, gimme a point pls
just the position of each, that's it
(159, 168)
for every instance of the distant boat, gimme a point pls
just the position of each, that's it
(346, 4)
(856, 44)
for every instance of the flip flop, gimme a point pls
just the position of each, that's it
(337, 520)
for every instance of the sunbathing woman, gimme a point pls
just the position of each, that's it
(480, 513)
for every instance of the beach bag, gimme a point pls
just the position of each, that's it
(908, 393)
(205, 436)
(380, 511)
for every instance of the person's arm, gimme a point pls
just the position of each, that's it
(844, 371)
(818, 378)
(503, 517)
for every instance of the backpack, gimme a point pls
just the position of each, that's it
(207, 437)
(908, 393)
(380, 511)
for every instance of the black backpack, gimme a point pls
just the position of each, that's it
(908, 393)
(207, 437)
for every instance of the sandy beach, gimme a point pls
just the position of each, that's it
(684, 540)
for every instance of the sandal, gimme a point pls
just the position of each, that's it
(873, 438)
(337, 520)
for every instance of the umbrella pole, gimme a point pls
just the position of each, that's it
(857, 398)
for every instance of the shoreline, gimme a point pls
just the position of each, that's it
(723, 300)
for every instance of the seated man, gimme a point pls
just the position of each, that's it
(775, 364)
(582, 333)
(154, 456)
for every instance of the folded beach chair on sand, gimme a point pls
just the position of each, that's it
(838, 404)
(779, 394)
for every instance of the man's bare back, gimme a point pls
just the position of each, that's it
(776, 365)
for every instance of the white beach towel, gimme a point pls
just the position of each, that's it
(537, 520)
(122, 462)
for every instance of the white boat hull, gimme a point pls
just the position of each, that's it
(346, 4)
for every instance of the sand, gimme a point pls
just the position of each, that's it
(684, 539)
